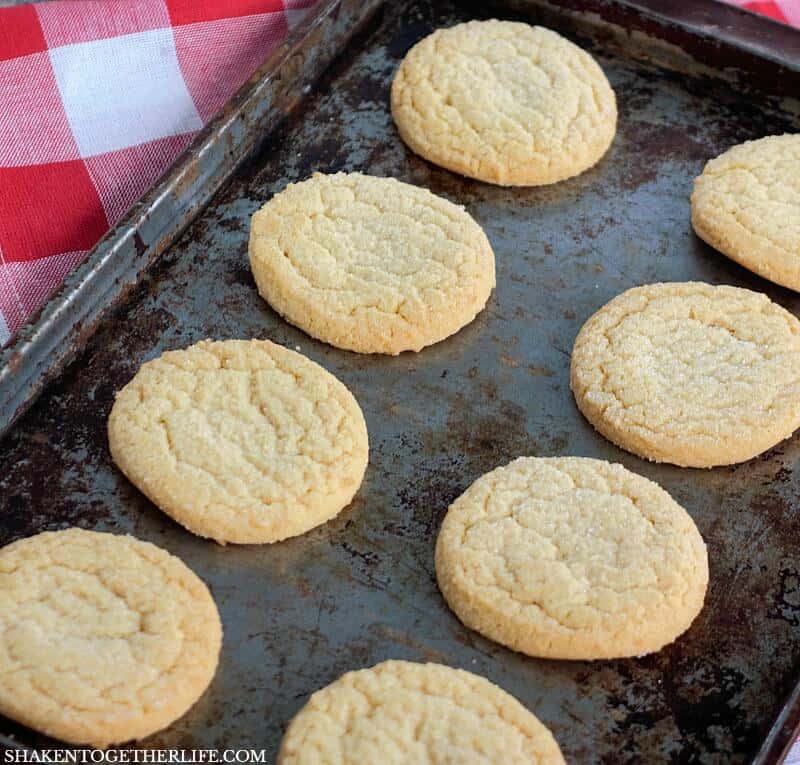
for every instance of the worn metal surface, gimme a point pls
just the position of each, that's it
(361, 588)
(41, 349)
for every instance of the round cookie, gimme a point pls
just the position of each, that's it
(240, 441)
(370, 264)
(504, 102)
(746, 204)
(690, 373)
(571, 558)
(103, 638)
(404, 713)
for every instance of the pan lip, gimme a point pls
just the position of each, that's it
(716, 22)
(783, 733)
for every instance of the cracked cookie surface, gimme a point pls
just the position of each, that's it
(404, 713)
(370, 264)
(746, 204)
(240, 441)
(571, 558)
(504, 102)
(690, 373)
(103, 638)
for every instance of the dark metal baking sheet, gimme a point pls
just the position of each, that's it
(361, 588)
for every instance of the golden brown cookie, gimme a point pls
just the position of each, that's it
(504, 102)
(370, 264)
(571, 558)
(746, 204)
(240, 441)
(690, 373)
(403, 713)
(103, 638)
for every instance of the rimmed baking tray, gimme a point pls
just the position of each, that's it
(362, 588)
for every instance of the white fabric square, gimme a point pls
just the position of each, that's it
(123, 91)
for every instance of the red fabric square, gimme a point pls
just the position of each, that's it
(217, 58)
(33, 125)
(121, 177)
(47, 210)
(191, 11)
(73, 21)
(20, 32)
(766, 9)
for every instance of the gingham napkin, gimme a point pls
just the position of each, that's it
(97, 98)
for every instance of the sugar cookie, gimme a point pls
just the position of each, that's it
(504, 102)
(240, 441)
(103, 638)
(571, 558)
(689, 373)
(370, 264)
(403, 713)
(746, 204)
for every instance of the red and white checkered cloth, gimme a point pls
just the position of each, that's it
(97, 98)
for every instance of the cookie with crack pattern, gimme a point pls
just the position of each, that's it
(103, 638)
(370, 264)
(240, 440)
(746, 204)
(504, 102)
(405, 713)
(571, 558)
(690, 373)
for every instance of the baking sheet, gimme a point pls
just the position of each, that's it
(361, 588)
